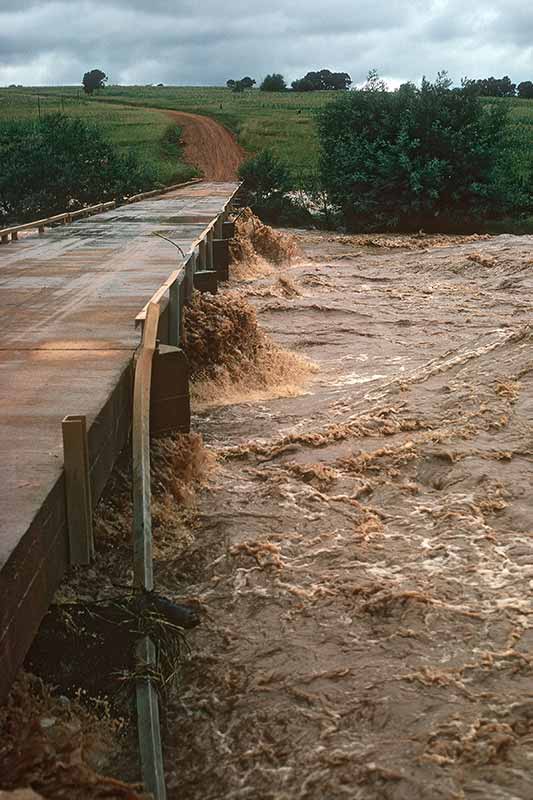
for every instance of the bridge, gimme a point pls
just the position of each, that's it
(73, 300)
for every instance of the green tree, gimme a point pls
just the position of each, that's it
(495, 87)
(247, 82)
(428, 156)
(46, 163)
(322, 80)
(273, 83)
(525, 89)
(93, 80)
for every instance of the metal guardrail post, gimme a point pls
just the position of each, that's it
(218, 226)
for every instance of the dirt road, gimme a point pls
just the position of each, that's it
(365, 551)
(209, 146)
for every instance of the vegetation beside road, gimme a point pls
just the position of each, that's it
(133, 131)
(431, 157)
(53, 163)
(282, 123)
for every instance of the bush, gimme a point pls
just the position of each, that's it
(268, 184)
(429, 157)
(46, 163)
(267, 178)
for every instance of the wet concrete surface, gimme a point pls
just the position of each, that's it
(68, 302)
(366, 563)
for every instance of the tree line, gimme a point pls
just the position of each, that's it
(500, 87)
(320, 80)
(429, 157)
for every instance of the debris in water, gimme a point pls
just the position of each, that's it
(59, 750)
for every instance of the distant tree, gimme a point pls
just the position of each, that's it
(322, 80)
(305, 84)
(374, 83)
(273, 83)
(95, 79)
(525, 89)
(240, 86)
(494, 87)
(340, 81)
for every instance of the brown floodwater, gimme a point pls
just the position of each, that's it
(364, 550)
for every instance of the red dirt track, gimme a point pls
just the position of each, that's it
(209, 146)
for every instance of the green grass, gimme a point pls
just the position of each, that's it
(149, 135)
(283, 122)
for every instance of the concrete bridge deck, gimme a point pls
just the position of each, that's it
(68, 302)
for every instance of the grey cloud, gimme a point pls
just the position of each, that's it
(185, 42)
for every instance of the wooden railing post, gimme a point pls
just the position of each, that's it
(142, 518)
(78, 489)
(174, 315)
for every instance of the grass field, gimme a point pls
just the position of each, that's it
(283, 122)
(142, 132)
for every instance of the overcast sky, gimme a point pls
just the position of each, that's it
(204, 42)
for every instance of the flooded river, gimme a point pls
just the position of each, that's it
(364, 549)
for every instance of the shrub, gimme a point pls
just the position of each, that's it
(267, 184)
(46, 163)
(266, 177)
(431, 157)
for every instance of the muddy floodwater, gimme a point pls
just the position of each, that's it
(366, 567)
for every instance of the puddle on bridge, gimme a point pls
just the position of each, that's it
(361, 552)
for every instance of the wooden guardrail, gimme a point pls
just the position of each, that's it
(201, 268)
(69, 216)
(148, 726)
(176, 292)
(65, 218)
